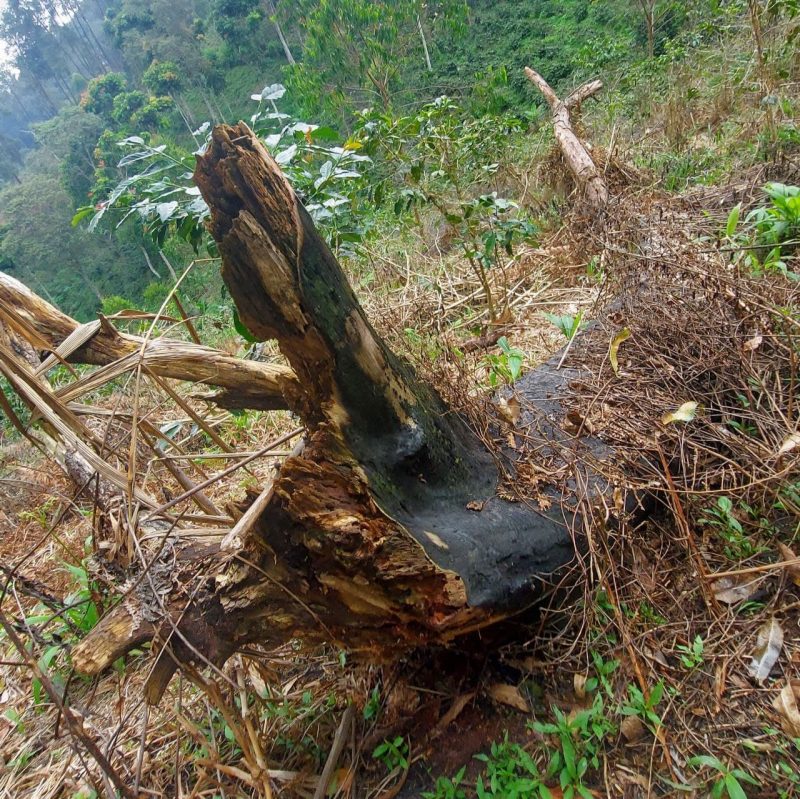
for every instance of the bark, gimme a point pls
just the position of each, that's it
(579, 161)
(244, 384)
(386, 531)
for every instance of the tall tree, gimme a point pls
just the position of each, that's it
(353, 46)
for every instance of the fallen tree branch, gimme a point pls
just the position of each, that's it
(245, 384)
(575, 153)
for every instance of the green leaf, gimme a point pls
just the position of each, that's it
(743, 776)
(733, 220)
(569, 754)
(81, 214)
(735, 790)
(706, 760)
(656, 694)
(242, 330)
(324, 133)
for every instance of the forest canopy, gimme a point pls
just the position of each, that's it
(83, 75)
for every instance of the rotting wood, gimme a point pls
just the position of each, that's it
(575, 152)
(245, 384)
(387, 531)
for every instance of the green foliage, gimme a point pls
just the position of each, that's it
(160, 192)
(70, 267)
(359, 43)
(509, 773)
(778, 224)
(728, 781)
(373, 704)
(644, 707)
(568, 324)
(505, 367)
(447, 788)
(722, 517)
(100, 94)
(580, 738)
(126, 104)
(692, 655)
(392, 753)
(438, 159)
(60, 628)
(162, 77)
(770, 234)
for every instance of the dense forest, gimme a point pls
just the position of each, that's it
(81, 77)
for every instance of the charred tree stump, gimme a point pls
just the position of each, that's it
(386, 532)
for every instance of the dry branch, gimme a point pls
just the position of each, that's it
(244, 384)
(575, 153)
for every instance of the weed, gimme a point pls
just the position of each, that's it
(580, 738)
(373, 704)
(393, 754)
(567, 324)
(644, 707)
(505, 367)
(648, 614)
(778, 224)
(447, 788)
(509, 773)
(604, 669)
(691, 656)
(770, 233)
(723, 519)
(728, 782)
(595, 271)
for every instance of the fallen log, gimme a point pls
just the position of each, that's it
(575, 152)
(394, 526)
(244, 384)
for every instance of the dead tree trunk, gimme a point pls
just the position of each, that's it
(386, 531)
(244, 384)
(575, 153)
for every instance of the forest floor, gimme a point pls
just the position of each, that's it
(636, 678)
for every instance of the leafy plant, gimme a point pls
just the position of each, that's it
(778, 224)
(447, 788)
(691, 656)
(392, 753)
(728, 782)
(603, 669)
(438, 159)
(567, 324)
(507, 366)
(770, 233)
(373, 704)
(509, 773)
(161, 194)
(644, 707)
(580, 738)
(723, 519)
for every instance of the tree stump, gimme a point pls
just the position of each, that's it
(387, 531)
